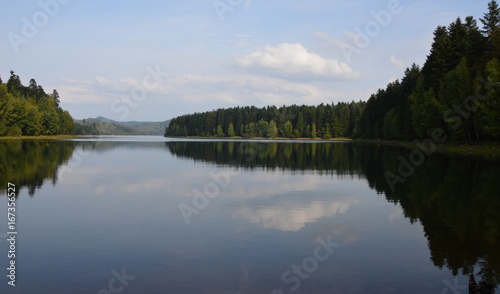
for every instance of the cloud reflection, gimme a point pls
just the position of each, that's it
(294, 215)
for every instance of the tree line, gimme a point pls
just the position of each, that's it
(30, 111)
(324, 121)
(457, 90)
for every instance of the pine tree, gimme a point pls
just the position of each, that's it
(491, 20)
(327, 135)
(314, 133)
(55, 96)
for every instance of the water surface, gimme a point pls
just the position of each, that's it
(254, 212)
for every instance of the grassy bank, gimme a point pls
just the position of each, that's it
(262, 138)
(18, 138)
(483, 149)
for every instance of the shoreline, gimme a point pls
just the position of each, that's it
(55, 137)
(483, 149)
(263, 138)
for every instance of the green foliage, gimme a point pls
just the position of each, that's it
(31, 163)
(447, 93)
(327, 135)
(314, 133)
(29, 111)
(491, 20)
(288, 129)
(230, 130)
(273, 130)
(262, 128)
(272, 122)
(490, 106)
(105, 126)
(220, 132)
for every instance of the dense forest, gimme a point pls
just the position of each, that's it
(457, 91)
(29, 111)
(325, 121)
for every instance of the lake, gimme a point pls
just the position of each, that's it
(157, 215)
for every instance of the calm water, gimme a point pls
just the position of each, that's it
(258, 217)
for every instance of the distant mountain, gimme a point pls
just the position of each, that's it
(105, 126)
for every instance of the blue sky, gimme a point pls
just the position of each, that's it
(153, 60)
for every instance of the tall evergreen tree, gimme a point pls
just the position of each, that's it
(491, 19)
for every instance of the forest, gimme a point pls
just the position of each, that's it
(457, 91)
(30, 111)
(325, 121)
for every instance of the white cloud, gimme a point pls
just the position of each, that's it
(293, 60)
(79, 94)
(395, 214)
(197, 92)
(397, 62)
(101, 80)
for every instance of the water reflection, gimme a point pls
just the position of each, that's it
(322, 158)
(455, 198)
(286, 215)
(29, 163)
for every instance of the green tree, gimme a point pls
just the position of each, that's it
(391, 130)
(14, 85)
(50, 118)
(490, 105)
(55, 96)
(33, 125)
(438, 62)
(491, 20)
(425, 111)
(314, 134)
(250, 130)
(230, 130)
(299, 131)
(262, 128)
(220, 132)
(455, 88)
(273, 130)
(327, 135)
(288, 129)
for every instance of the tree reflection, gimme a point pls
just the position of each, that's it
(455, 198)
(27, 164)
(318, 157)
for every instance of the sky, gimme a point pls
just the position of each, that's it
(153, 60)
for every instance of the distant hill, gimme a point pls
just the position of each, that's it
(105, 126)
